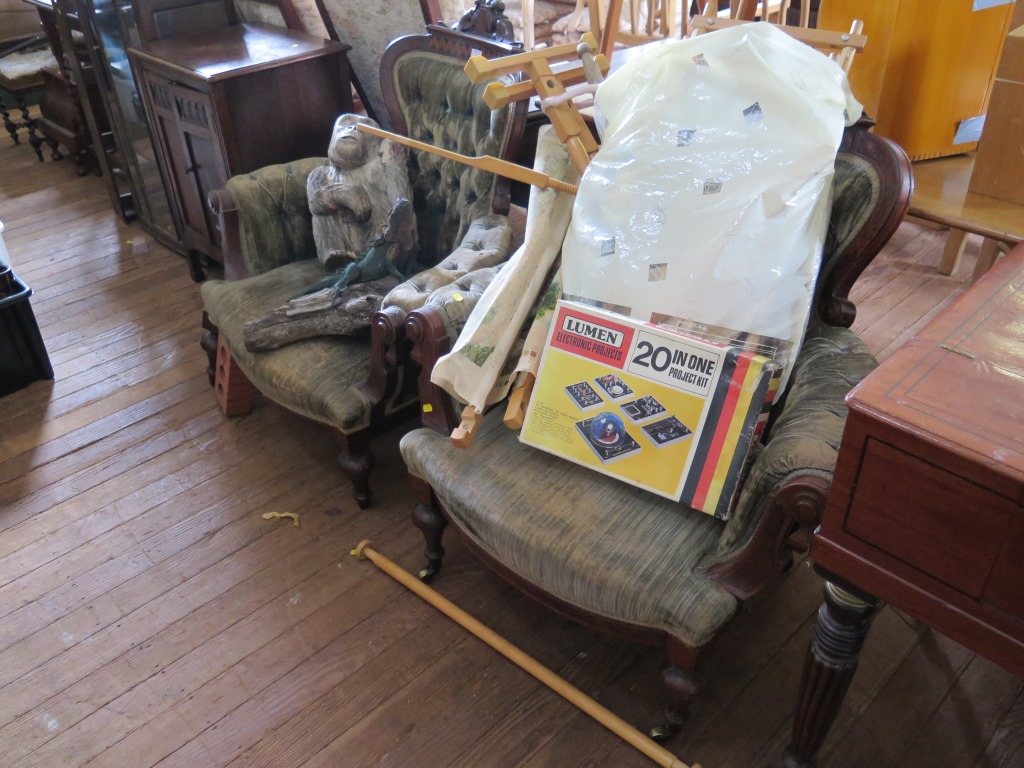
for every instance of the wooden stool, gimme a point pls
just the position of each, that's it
(21, 76)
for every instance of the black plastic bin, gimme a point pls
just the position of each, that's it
(23, 357)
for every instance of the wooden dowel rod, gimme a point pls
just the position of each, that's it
(486, 163)
(563, 688)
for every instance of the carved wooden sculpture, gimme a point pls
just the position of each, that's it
(364, 228)
(351, 198)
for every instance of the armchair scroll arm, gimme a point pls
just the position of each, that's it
(429, 336)
(431, 329)
(794, 508)
(783, 495)
(389, 352)
(224, 206)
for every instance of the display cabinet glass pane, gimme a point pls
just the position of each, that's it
(112, 24)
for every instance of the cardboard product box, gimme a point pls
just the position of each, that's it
(999, 162)
(673, 414)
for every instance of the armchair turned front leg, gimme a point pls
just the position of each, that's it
(428, 519)
(680, 689)
(357, 460)
(680, 684)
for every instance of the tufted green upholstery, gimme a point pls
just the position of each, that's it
(486, 244)
(441, 107)
(275, 224)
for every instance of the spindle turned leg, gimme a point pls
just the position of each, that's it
(431, 522)
(356, 461)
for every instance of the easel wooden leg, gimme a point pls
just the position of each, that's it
(955, 242)
(234, 392)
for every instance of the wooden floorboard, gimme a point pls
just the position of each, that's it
(150, 616)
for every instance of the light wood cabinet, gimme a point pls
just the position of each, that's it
(927, 66)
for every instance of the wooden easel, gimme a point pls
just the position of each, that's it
(554, 88)
(556, 91)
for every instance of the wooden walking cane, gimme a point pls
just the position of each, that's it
(559, 685)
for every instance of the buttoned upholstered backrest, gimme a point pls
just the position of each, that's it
(430, 99)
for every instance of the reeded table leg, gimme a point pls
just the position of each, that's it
(839, 634)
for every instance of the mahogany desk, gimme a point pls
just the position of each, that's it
(926, 509)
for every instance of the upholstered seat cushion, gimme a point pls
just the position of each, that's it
(588, 539)
(316, 378)
(620, 552)
(21, 72)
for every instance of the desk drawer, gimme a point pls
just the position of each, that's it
(1005, 589)
(914, 511)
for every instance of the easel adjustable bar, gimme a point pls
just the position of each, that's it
(479, 68)
(498, 95)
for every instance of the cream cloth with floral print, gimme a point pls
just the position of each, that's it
(480, 368)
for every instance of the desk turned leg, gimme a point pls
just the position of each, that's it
(839, 633)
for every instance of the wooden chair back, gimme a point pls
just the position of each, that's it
(276, 12)
(369, 28)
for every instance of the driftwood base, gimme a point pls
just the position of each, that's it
(326, 313)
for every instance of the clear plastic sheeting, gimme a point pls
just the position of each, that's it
(706, 207)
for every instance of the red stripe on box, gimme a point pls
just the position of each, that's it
(722, 430)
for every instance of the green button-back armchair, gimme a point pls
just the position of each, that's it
(361, 386)
(623, 560)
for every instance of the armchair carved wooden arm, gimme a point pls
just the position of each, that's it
(626, 561)
(357, 386)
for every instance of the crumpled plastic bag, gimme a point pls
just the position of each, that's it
(706, 207)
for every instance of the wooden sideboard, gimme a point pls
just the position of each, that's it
(926, 509)
(233, 100)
